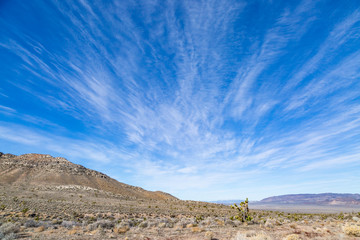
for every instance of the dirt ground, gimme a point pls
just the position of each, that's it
(73, 212)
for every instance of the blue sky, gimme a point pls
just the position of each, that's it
(206, 100)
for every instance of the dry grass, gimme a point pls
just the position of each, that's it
(292, 237)
(209, 235)
(121, 230)
(39, 229)
(196, 229)
(72, 232)
(252, 236)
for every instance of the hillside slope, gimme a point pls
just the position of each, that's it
(45, 170)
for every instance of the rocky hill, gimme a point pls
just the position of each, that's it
(45, 170)
(315, 199)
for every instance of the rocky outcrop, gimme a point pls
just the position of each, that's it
(42, 169)
(46, 162)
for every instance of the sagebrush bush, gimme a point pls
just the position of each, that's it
(8, 228)
(9, 236)
(352, 230)
(31, 223)
(105, 224)
(8, 231)
(68, 224)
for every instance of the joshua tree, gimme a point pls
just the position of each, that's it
(243, 211)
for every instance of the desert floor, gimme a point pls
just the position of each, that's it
(72, 212)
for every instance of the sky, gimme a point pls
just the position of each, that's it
(206, 100)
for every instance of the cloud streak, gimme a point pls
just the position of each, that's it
(191, 95)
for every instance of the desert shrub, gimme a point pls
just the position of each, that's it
(182, 223)
(8, 228)
(105, 224)
(206, 222)
(68, 224)
(45, 224)
(292, 237)
(352, 230)
(252, 236)
(101, 224)
(199, 218)
(25, 210)
(121, 229)
(8, 231)
(91, 227)
(230, 223)
(56, 222)
(143, 224)
(243, 211)
(9, 236)
(31, 223)
(152, 223)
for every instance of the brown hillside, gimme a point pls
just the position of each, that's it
(44, 170)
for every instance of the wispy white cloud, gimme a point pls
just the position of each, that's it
(344, 75)
(183, 95)
(333, 162)
(242, 95)
(342, 32)
(81, 149)
(7, 110)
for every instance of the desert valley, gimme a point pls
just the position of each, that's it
(45, 197)
(180, 119)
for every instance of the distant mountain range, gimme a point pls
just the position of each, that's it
(327, 199)
(315, 199)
